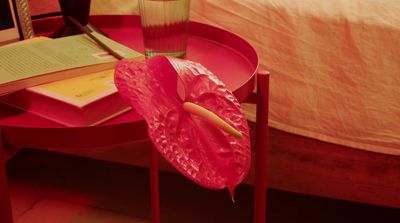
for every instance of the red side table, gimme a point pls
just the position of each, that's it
(228, 56)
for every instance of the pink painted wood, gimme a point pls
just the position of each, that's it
(228, 56)
(261, 147)
(154, 186)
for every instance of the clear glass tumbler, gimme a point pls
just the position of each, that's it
(165, 27)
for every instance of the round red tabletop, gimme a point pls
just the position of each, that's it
(228, 56)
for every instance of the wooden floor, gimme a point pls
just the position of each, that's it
(49, 187)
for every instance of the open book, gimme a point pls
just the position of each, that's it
(38, 62)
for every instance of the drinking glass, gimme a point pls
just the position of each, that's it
(165, 27)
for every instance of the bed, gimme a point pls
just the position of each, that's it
(334, 95)
(334, 98)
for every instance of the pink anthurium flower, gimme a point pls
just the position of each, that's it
(193, 120)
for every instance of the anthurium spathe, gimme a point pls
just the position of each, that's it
(193, 120)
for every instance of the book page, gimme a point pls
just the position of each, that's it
(40, 57)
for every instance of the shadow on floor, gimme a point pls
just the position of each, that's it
(124, 190)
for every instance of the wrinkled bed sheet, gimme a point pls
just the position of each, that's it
(335, 65)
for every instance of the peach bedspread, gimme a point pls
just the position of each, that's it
(335, 65)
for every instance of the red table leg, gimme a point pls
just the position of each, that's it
(260, 185)
(154, 186)
(5, 205)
